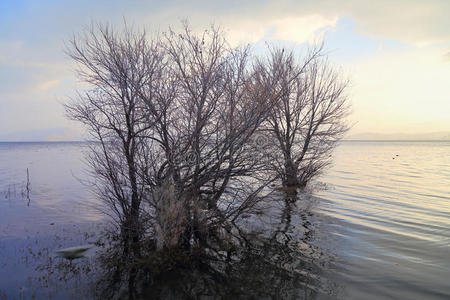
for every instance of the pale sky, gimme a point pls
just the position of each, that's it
(396, 54)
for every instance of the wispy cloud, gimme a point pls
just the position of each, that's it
(48, 84)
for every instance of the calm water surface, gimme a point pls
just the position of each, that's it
(390, 206)
(384, 217)
(59, 213)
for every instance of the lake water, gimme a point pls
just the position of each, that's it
(389, 203)
(384, 217)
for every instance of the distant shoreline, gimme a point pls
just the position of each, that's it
(345, 140)
(49, 142)
(354, 140)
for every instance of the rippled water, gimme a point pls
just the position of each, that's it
(389, 209)
(384, 217)
(59, 213)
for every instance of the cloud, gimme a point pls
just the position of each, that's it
(301, 29)
(446, 57)
(417, 22)
(34, 71)
(48, 84)
(413, 21)
(294, 29)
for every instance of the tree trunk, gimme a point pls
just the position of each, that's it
(290, 180)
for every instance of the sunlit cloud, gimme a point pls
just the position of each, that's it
(302, 29)
(293, 29)
(297, 29)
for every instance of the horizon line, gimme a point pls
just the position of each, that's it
(343, 140)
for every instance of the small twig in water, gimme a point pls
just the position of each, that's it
(26, 191)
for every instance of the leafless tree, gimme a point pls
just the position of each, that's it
(309, 118)
(217, 101)
(175, 121)
(172, 119)
(117, 67)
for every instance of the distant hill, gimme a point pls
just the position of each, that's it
(399, 136)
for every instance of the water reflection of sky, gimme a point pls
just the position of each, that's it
(390, 202)
(58, 214)
(380, 229)
(57, 195)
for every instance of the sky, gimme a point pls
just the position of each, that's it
(396, 54)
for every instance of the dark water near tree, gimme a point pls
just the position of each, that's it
(380, 229)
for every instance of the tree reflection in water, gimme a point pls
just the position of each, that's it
(269, 257)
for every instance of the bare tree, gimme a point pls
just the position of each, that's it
(205, 131)
(172, 119)
(175, 122)
(175, 125)
(309, 118)
(118, 67)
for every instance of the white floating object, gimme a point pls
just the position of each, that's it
(73, 252)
